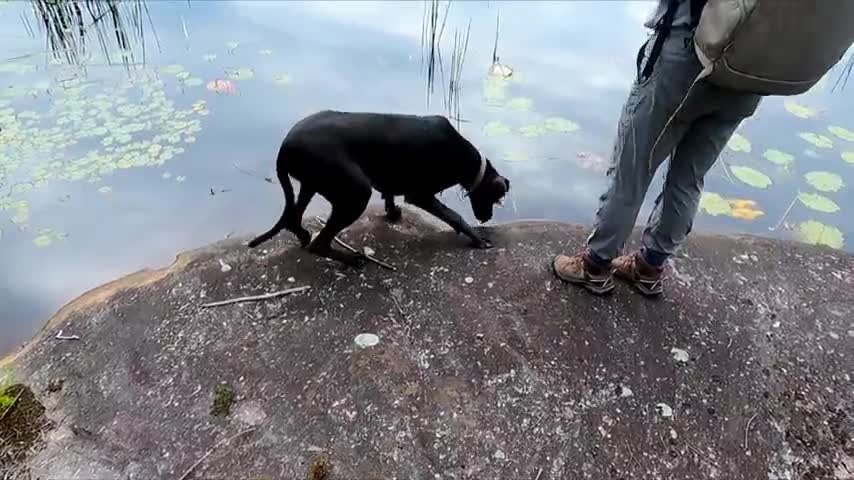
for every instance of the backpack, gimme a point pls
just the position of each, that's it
(772, 47)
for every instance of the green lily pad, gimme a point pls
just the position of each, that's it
(561, 125)
(779, 158)
(19, 68)
(799, 110)
(182, 75)
(819, 141)
(714, 204)
(516, 156)
(282, 79)
(824, 181)
(751, 176)
(193, 82)
(42, 241)
(818, 202)
(173, 69)
(495, 128)
(520, 104)
(817, 233)
(848, 157)
(240, 73)
(106, 189)
(738, 143)
(495, 90)
(842, 133)
(531, 131)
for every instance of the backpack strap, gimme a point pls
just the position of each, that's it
(662, 32)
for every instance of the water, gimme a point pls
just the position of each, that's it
(87, 220)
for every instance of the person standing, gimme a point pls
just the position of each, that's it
(669, 114)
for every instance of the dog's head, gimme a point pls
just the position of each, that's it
(488, 193)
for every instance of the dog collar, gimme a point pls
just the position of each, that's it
(480, 173)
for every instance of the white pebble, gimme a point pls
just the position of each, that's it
(469, 280)
(369, 251)
(680, 355)
(366, 340)
(224, 266)
(499, 455)
(291, 279)
(664, 409)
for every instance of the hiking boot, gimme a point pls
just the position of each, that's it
(580, 270)
(646, 278)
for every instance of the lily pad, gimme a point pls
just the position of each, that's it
(173, 69)
(531, 131)
(266, 52)
(240, 73)
(751, 176)
(516, 156)
(824, 181)
(561, 125)
(819, 141)
(495, 90)
(495, 128)
(817, 233)
(182, 75)
(779, 158)
(714, 204)
(209, 57)
(193, 82)
(42, 241)
(282, 79)
(848, 157)
(799, 110)
(818, 202)
(105, 190)
(842, 133)
(521, 104)
(738, 143)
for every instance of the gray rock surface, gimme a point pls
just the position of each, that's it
(487, 367)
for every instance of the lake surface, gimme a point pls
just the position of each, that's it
(106, 168)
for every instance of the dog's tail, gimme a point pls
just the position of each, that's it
(285, 182)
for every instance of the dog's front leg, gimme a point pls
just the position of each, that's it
(433, 206)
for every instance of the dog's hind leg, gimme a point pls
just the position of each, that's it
(349, 198)
(392, 211)
(295, 213)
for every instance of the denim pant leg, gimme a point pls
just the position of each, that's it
(718, 114)
(650, 105)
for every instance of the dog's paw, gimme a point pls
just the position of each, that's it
(481, 243)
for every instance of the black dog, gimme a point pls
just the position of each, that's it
(342, 156)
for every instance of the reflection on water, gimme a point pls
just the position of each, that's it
(111, 164)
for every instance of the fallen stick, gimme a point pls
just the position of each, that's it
(12, 405)
(206, 455)
(255, 298)
(60, 336)
(353, 250)
(747, 430)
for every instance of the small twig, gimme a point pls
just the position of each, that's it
(251, 173)
(747, 430)
(700, 455)
(539, 473)
(632, 454)
(353, 250)
(206, 455)
(786, 213)
(255, 298)
(11, 405)
(60, 336)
